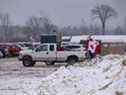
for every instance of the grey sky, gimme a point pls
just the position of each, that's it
(61, 12)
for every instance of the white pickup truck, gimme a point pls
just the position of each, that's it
(49, 54)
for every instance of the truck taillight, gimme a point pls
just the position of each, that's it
(60, 49)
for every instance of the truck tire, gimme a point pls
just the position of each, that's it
(124, 62)
(71, 60)
(28, 62)
(50, 63)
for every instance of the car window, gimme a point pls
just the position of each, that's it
(51, 48)
(71, 47)
(42, 48)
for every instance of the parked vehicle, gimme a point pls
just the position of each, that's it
(3, 50)
(49, 54)
(13, 50)
(1, 54)
(73, 47)
(25, 46)
(22, 46)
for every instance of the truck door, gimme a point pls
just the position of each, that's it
(41, 53)
(52, 53)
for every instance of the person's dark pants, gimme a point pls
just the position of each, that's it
(89, 55)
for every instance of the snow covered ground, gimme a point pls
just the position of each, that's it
(107, 77)
(16, 79)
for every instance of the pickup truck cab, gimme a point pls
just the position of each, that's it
(49, 54)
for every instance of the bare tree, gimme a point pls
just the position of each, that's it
(37, 25)
(33, 23)
(84, 29)
(118, 30)
(47, 25)
(125, 22)
(103, 12)
(94, 29)
(124, 26)
(5, 24)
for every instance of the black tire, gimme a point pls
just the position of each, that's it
(50, 63)
(28, 62)
(124, 62)
(71, 60)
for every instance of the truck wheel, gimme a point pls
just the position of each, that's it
(124, 62)
(71, 60)
(50, 63)
(28, 62)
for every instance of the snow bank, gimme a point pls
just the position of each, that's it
(105, 78)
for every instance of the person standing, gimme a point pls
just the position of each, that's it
(98, 48)
(91, 45)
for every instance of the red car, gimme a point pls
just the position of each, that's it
(13, 50)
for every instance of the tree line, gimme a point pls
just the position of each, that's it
(37, 25)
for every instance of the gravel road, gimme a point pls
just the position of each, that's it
(11, 67)
(15, 79)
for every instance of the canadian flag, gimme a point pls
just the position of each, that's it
(92, 45)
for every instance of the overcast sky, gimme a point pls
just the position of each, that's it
(61, 12)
